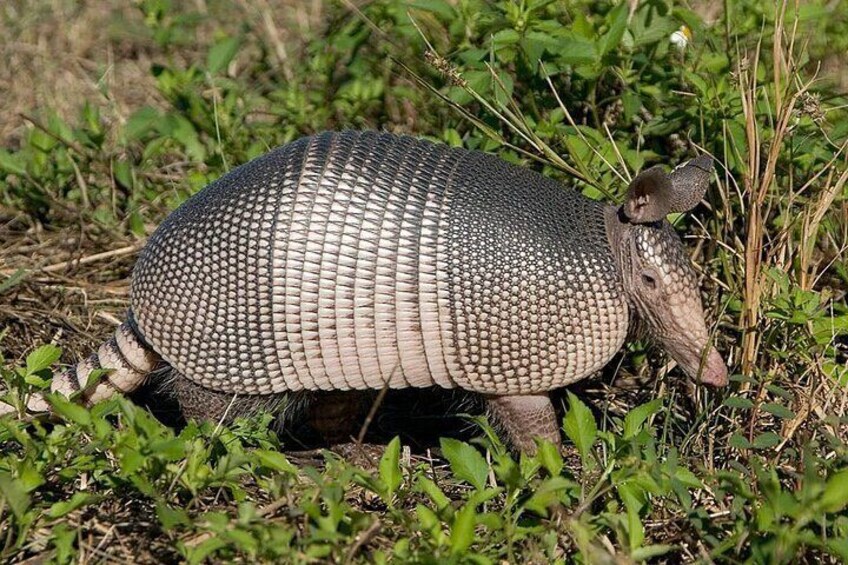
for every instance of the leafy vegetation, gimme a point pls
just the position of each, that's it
(586, 92)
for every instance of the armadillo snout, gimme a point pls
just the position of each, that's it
(715, 371)
(664, 288)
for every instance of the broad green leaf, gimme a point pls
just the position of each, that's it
(13, 492)
(650, 551)
(503, 88)
(549, 493)
(550, 458)
(170, 517)
(687, 477)
(274, 460)
(738, 402)
(390, 472)
(635, 419)
(766, 440)
(505, 37)
(462, 530)
(221, 54)
(122, 171)
(200, 552)
(69, 410)
(739, 441)
(42, 358)
(631, 495)
(141, 122)
(438, 7)
(576, 51)
(617, 19)
(466, 462)
(12, 163)
(431, 489)
(835, 496)
(778, 410)
(580, 426)
(426, 517)
(77, 500)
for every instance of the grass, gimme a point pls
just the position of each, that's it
(112, 116)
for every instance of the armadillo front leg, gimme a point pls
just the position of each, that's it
(524, 418)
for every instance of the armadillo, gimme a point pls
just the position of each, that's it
(362, 260)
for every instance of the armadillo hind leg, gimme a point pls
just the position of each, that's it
(335, 416)
(523, 418)
(127, 358)
(200, 403)
(338, 416)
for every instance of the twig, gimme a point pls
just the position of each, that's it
(67, 143)
(362, 539)
(371, 413)
(93, 258)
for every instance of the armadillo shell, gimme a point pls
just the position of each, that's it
(361, 260)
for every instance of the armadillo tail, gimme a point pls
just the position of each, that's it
(127, 360)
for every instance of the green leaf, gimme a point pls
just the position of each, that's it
(835, 496)
(170, 518)
(634, 419)
(69, 410)
(12, 163)
(739, 441)
(738, 402)
(13, 492)
(77, 500)
(505, 37)
(122, 171)
(438, 7)
(221, 54)
(203, 550)
(465, 461)
(650, 551)
(432, 490)
(462, 530)
(576, 51)
(274, 460)
(141, 122)
(390, 472)
(778, 410)
(618, 24)
(580, 427)
(687, 477)
(551, 492)
(550, 458)
(767, 440)
(42, 358)
(631, 495)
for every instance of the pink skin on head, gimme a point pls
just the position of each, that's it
(715, 371)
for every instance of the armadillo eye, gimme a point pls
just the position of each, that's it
(649, 280)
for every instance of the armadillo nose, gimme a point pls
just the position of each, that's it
(715, 371)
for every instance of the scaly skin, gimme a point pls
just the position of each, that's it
(360, 260)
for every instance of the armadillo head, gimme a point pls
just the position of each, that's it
(656, 272)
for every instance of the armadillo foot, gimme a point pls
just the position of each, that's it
(524, 418)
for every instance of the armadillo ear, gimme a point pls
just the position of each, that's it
(690, 183)
(649, 197)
